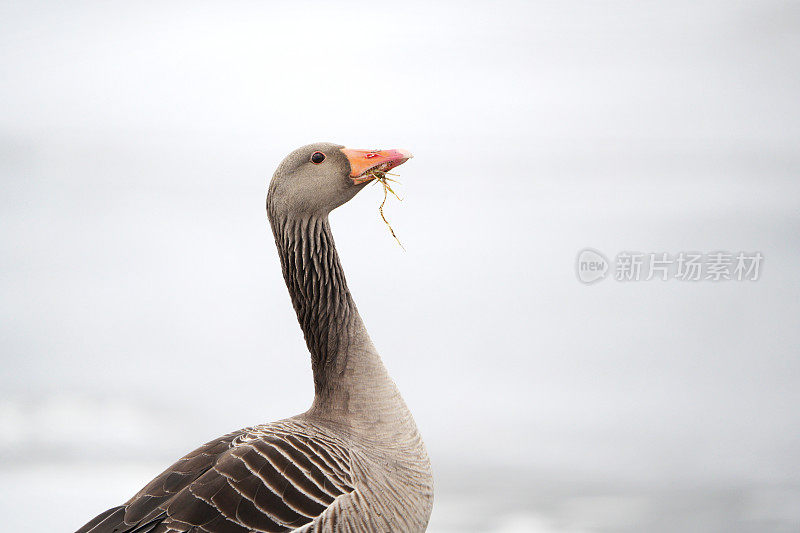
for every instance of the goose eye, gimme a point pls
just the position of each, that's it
(317, 158)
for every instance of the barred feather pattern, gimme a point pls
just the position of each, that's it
(292, 475)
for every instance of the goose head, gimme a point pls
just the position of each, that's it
(317, 178)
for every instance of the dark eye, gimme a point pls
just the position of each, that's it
(317, 158)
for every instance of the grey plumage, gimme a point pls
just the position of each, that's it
(355, 460)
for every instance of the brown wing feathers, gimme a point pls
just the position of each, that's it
(242, 482)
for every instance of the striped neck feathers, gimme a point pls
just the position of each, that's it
(318, 289)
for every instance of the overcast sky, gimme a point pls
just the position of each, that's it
(141, 300)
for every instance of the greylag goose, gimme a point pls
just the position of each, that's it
(355, 460)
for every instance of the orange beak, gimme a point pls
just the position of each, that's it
(362, 161)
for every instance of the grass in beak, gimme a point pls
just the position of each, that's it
(384, 181)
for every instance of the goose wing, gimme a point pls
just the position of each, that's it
(261, 479)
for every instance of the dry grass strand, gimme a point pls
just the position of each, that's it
(381, 178)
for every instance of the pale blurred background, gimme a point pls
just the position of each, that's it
(140, 288)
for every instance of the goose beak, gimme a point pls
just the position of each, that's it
(363, 161)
